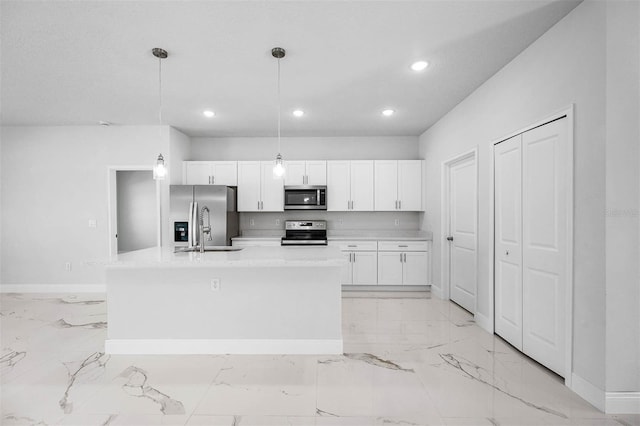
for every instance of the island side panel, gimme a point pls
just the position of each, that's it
(252, 303)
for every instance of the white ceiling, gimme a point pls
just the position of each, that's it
(79, 62)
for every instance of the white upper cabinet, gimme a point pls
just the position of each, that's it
(306, 172)
(258, 191)
(210, 173)
(398, 185)
(350, 185)
(338, 185)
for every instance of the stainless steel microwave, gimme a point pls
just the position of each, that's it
(305, 197)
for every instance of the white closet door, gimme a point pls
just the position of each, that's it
(544, 151)
(462, 223)
(508, 240)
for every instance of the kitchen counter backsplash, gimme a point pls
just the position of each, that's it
(335, 220)
(348, 234)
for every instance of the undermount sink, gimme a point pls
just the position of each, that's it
(206, 248)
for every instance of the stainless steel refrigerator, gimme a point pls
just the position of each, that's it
(187, 204)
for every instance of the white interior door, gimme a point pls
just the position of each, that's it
(544, 151)
(508, 240)
(463, 231)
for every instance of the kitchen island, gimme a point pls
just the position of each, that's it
(258, 300)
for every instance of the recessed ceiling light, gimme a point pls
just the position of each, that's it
(388, 112)
(419, 66)
(298, 113)
(208, 113)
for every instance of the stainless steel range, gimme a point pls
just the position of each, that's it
(305, 233)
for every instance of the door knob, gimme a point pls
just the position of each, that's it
(449, 238)
(506, 252)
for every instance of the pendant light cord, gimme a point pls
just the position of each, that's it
(160, 89)
(279, 106)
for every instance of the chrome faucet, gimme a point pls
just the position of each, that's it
(204, 229)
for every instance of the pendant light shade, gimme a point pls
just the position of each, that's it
(278, 168)
(159, 169)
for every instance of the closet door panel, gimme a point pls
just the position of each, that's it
(508, 241)
(544, 243)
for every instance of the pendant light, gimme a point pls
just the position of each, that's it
(278, 168)
(160, 169)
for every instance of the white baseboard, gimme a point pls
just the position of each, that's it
(483, 322)
(623, 403)
(588, 392)
(53, 288)
(437, 292)
(224, 346)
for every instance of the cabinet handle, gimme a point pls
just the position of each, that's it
(209, 179)
(402, 245)
(258, 205)
(396, 204)
(405, 258)
(351, 245)
(213, 180)
(354, 258)
(400, 257)
(399, 204)
(261, 205)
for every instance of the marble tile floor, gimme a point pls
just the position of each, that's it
(409, 360)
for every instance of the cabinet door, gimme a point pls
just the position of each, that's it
(272, 190)
(414, 268)
(362, 185)
(389, 268)
(316, 172)
(197, 173)
(345, 273)
(338, 185)
(249, 186)
(410, 185)
(386, 185)
(295, 172)
(365, 268)
(225, 173)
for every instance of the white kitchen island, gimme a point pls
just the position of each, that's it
(259, 300)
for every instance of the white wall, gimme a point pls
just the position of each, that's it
(623, 190)
(333, 148)
(54, 179)
(564, 66)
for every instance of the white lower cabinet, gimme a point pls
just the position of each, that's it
(403, 263)
(362, 262)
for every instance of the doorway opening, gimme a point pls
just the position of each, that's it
(133, 209)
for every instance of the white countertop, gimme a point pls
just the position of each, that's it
(344, 234)
(247, 257)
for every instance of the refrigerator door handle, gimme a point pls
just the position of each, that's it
(190, 226)
(193, 225)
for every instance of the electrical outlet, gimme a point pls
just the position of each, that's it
(93, 223)
(277, 222)
(252, 222)
(396, 222)
(67, 266)
(215, 284)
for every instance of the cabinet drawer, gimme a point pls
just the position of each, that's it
(402, 245)
(355, 245)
